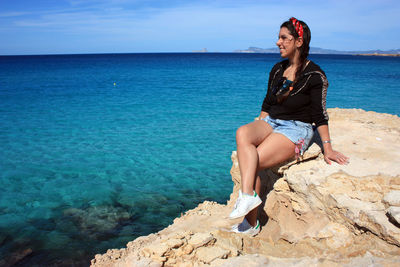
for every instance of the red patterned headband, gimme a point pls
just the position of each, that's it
(297, 25)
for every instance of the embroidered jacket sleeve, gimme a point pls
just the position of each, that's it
(318, 91)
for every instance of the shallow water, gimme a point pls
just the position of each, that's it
(100, 149)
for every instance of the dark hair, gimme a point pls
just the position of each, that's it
(305, 48)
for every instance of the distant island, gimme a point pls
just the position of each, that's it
(204, 50)
(382, 55)
(317, 50)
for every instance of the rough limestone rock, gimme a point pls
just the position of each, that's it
(313, 214)
(392, 198)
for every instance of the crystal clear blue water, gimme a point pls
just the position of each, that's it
(97, 150)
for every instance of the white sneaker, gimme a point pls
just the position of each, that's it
(245, 228)
(244, 204)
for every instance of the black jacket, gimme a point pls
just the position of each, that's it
(307, 100)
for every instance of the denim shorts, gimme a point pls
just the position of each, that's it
(300, 133)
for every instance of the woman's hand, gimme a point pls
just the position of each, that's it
(336, 156)
(329, 153)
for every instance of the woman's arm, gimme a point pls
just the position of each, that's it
(319, 114)
(329, 153)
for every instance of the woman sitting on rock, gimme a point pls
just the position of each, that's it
(295, 100)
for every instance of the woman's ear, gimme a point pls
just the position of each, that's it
(299, 42)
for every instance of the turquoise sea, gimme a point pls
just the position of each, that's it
(97, 150)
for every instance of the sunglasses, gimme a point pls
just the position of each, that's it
(283, 89)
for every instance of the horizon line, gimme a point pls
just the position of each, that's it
(345, 53)
(237, 51)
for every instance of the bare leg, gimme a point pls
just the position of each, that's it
(276, 148)
(251, 217)
(248, 137)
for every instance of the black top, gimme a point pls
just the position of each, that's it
(307, 100)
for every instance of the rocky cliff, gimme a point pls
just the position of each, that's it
(313, 214)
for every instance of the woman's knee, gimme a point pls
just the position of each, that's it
(242, 135)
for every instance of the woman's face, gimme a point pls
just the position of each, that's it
(286, 43)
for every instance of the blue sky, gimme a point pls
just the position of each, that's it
(120, 26)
